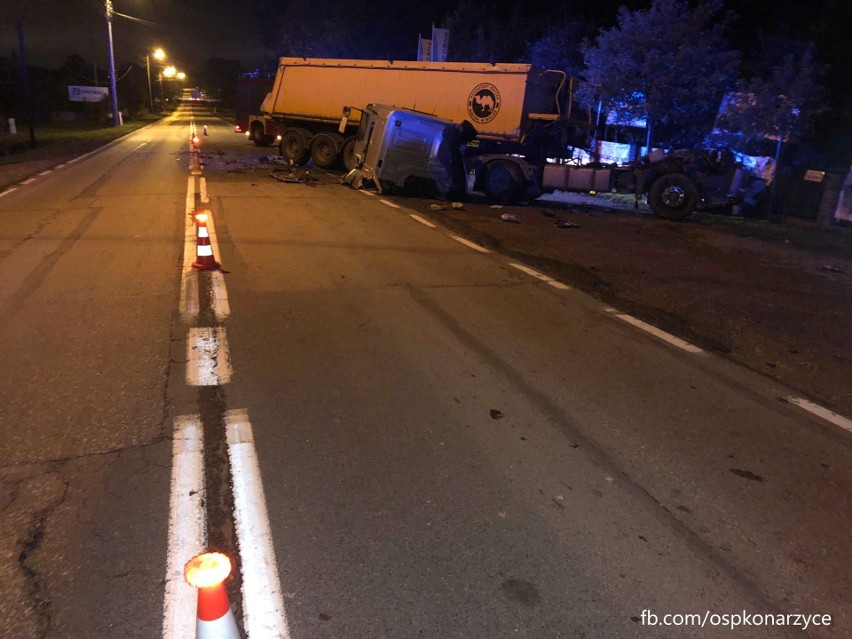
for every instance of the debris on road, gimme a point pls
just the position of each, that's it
(292, 176)
(565, 224)
(832, 269)
(458, 205)
(509, 217)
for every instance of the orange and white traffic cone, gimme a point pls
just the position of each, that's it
(204, 260)
(215, 619)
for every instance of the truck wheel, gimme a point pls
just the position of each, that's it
(325, 149)
(294, 147)
(348, 154)
(257, 135)
(503, 182)
(673, 196)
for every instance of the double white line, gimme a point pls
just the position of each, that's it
(209, 364)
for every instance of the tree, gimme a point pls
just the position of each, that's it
(560, 47)
(779, 105)
(668, 64)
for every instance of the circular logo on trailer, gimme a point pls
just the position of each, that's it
(483, 103)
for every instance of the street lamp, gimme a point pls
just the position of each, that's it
(159, 55)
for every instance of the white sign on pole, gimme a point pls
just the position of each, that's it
(424, 49)
(440, 44)
(87, 94)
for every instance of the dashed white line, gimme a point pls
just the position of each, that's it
(370, 193)
(469, 244)
(819, 411)
(7, 191)
(263, 601)
(390, 204)
(72, 160)
(423, 221)
(59, 166)
(46, 172)
(32, 179)
(540, 276)
(660, 334)
(187, 526)
(208, 362)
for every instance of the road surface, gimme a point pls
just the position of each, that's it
(392, 432)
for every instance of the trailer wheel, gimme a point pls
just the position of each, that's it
(348, 154)
(673, 196)
(294, 147)
(325, 149)
(257, 135)
(503, 182)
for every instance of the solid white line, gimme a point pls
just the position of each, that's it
(7, 191)
(656, 332)
(187, 526)
(46, 172)
(32, 179)
(424, 222)
(390, 204)
(189, 306)
(540, 276)
(469, 244)
(219, 296)
(263, 601)
(205, 197)
(819, 411)
(208, 362)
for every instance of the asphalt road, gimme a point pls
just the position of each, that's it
(448, 446)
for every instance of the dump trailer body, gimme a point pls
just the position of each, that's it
(497, 98)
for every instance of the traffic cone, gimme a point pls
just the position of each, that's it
(204, 260)
(214, 619)
(205, 129)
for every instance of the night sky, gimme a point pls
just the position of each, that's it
(192, 31)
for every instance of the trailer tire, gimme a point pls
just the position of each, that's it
(325, 149)
(348, 154)
(673, 196)
(294, 147)
(257, 135)
(503, 182)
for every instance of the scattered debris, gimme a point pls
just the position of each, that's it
(548, 213)
(496, 206)
(291, 176)
(495, 414)
(438, 207)
(509, 217)
(565, 224)
(458, 205)
(832, 269)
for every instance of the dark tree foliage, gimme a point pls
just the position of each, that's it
(219, 78)
(669, 64)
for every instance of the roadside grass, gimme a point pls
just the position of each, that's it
(835, 241)
(64, 138)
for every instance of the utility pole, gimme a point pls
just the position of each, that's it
(28, 90)
(113, 94)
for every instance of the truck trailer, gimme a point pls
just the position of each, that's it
(302, 111)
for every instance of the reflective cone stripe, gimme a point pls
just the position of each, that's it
(214, 619)
(204, 260)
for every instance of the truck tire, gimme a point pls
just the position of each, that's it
(673, 196)
(325, 149)
(503, 182)
(257, 135)
(294, 147)
(348, 154)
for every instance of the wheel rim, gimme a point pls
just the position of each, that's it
(325, 152)
(673, 196)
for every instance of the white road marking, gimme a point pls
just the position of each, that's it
(187, 526)
(140, 146)
(205, 197)
(540, 276)
(7, 191)
(423, 221)
(370, 193)
(263, 601)
(189, 297)
(390, 204)
(819, 411)
(656, 332)
(72, 160)
(46, 172)
(32, 179)
(469, 244)
(59, 166)
(208, 362)
(219, 296)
